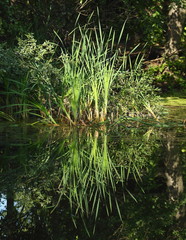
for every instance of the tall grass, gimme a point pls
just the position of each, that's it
(88, 72)
(77, 84)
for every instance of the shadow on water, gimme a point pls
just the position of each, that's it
(119, 183)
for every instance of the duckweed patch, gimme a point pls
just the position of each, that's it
(173, 101)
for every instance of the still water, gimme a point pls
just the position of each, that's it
(124, 182)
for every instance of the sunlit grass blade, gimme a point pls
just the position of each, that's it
(6, 116)
(44, 112)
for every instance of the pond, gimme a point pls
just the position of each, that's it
(122, 182)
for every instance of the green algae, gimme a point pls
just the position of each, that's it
(175, 106)
(173, 101)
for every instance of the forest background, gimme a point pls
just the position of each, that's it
(35, 79)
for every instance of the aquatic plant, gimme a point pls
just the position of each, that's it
(88, 71)
(93, 81)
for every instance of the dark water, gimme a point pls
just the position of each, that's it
(118, 183)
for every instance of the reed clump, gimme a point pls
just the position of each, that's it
(89, 83)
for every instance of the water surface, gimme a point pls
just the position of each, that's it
(119, 182)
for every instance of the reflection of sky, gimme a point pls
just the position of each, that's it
(3, 202)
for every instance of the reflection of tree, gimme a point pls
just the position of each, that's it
(11, 214)
(174, 175)
(157, 215)
(92, 170)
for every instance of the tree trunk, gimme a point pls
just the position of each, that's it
(175, 23)
(11, 215)
(174, 177)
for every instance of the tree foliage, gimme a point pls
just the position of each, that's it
(159, 25)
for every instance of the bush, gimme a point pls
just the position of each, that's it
(135, 94)
(169, 75)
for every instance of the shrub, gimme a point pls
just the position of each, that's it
(135, 94)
